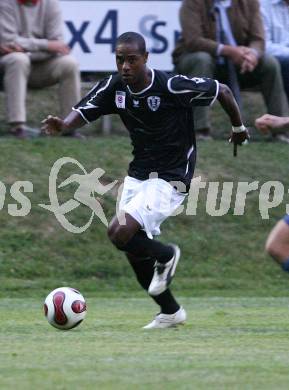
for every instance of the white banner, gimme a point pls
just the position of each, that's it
(91, 29)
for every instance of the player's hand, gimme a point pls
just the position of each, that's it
(52, 125)
(58, 47)
(239, 138)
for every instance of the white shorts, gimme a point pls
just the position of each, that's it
(149, 202)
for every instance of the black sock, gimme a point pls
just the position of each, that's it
(140, 244)
(167, 302)
(144, 269)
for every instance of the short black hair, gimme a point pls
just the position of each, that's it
(132, 37)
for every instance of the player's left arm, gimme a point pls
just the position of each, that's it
(203, 91)
(53, 125)
(239, 132)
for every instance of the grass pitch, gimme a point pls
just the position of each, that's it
(227, 343)
(239, 341)
(221, 256)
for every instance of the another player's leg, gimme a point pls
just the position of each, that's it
(171, 313)
(277, 244)
(129, 238)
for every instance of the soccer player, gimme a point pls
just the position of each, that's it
(157, 109)
(277, 244)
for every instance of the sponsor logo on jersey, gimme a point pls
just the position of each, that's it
(198, 80)
(120, 99)
(154, 102)
(135, 103)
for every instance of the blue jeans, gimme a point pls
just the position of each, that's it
(284, 62)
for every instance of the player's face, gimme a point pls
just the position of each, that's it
(131, 64)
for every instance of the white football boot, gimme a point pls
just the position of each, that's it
(164, 273)
(163, 321)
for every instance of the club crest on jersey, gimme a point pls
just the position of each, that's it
(135, 103)
(154, 102)
(120, 99)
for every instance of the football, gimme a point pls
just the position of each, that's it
(65, 308)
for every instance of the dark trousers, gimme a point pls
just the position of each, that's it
(267, 76)
(284, 63)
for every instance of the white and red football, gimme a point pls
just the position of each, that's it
(65, 308)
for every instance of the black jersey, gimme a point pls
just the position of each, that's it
(159, 120)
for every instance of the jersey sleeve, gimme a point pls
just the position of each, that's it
(196, 91)
(97, 102)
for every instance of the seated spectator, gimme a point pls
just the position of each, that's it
(276, 23)
(225, 39)
(32, 52)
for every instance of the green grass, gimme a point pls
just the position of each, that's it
(226, 344)
(221, 255)
(236, 297)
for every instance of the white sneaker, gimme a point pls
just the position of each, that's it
(164, 273)
(162, 321)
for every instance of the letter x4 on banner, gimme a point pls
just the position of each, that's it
(91, 28)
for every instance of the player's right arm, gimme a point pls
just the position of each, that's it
(99, 101)
(53, 125)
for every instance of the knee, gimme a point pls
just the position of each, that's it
(200, 63)
(117, 235)
(17, 61)
(68, 65)
(273, 250)
(270, 64)
(269, 248)
(201, 58)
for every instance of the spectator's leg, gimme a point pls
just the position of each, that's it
(16, 68)
(268, 75)
(199, 64)
(284, 63)
(62, 70)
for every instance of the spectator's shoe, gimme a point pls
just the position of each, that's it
(162, 321)
(282, 138)
(24, 132)
(204, 134)
(164, 273)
